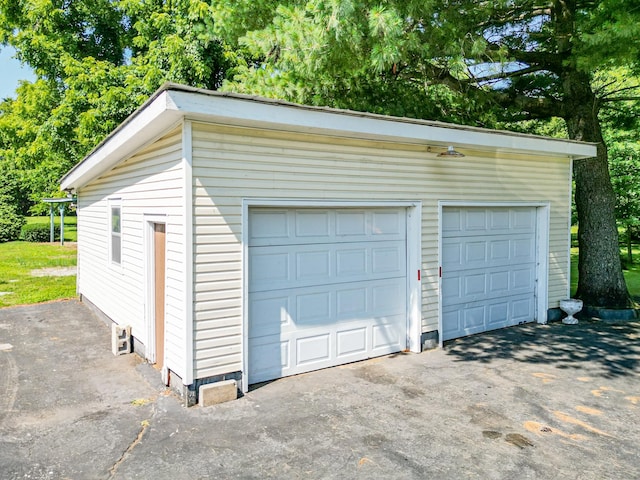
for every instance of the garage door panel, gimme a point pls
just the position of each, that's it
(499, 219)
(523, 279)
(488, 268)
(473, 285)
(522, 309)
(271, 314)
(523, 249)
(316, 348)
(313, 265)
(499, 281)
(268, 226)
(309, 306)
(313, 308)
(465, 222)
(352, 341)
(452, 254)
(351, 223)
(272, 266)
(274, 355)
(388, 336)
(311, 226)
(486, 251)
(523, 219)
(475, 317)
(499, 250)
(388, 259)
(284, 267)
(352, 302)
(388, 223)
(497, 314)
(313, 349)
(451, 285)
(388, 296)
(475, 252)
(351, 262)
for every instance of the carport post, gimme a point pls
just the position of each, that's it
(62, 224)
(51, 230)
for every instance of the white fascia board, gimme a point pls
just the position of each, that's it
(140, 128)
(262, 113)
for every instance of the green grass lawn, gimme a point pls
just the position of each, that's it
(631, 274)
(70, 226)
(19, 259)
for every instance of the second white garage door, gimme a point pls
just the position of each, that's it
(326, 287)
(488, 269)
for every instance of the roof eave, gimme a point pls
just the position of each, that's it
(242, 110)
(155, 116)
(171, 103)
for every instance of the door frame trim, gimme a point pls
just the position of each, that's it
(414, 245)
(150, 285)
(543, 219)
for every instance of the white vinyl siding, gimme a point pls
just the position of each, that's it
(230, 164)
(149, 183)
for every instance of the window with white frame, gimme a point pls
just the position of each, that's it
(115, 234)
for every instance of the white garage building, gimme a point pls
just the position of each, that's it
(248, 238)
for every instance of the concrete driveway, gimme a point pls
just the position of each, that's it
(530, 402)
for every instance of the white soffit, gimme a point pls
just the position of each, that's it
(174, 102)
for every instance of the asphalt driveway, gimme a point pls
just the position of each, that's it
(530, 402)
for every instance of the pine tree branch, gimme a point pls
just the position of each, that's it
(502, 75)
(535, 107)
(532, 107)
(550, 61)
(620, 99)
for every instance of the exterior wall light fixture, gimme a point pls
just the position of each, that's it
(451, 152)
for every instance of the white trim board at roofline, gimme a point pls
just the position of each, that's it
(172, 104)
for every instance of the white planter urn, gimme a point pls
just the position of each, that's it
(570, 306)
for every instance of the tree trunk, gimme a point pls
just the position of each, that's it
(600, 279)
(629, 246)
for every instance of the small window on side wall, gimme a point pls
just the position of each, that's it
(115, 236)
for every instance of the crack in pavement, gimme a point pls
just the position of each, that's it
(144, 425)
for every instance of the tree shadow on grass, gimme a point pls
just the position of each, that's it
(607, 350)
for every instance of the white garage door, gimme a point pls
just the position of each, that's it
(488, 269)
(326, 287)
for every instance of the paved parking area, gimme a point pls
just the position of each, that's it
(530, 402)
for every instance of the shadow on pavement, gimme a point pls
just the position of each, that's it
(613, 349)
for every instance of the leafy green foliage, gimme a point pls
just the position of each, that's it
(10, 220)
(96, 62)
(39, 232)
(70, 226)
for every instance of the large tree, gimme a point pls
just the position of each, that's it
(510, 59)
(96, 61)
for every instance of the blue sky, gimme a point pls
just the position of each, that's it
(11, 72)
